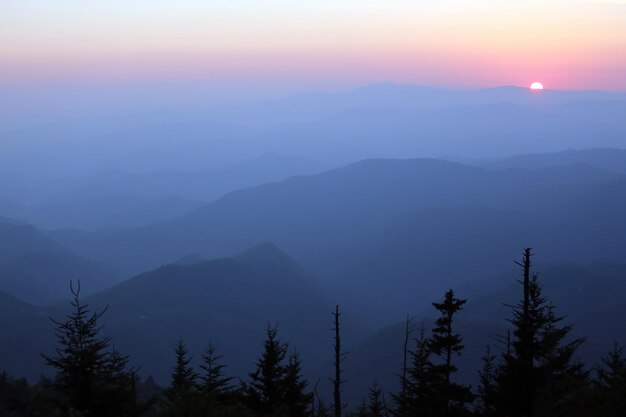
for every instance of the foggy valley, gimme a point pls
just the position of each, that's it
(319, 216)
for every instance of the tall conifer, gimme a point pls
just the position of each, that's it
(449, 398)
(92, 377)
(215, 385)
(539, 375)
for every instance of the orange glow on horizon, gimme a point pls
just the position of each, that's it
(454, 43)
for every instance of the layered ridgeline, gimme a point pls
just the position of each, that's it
(609, 159)
(381, 237)
(589, 297)
(106, 169)
(119, 199)
(385, 120)
(228, 302)
(35, 268)
(393, 225)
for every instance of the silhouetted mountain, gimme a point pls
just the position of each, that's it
(585, 295)
(613, 160)
(37, 269)
(384, 120)
(11, 305)
(26, 332)
(465, 131)
(42, 278)
(322, 217)
(107, 210)
(268, 255)
(17, 239)
(411, 257)
(226, 301)
(123, 200)
(205, 185)
(387, 236)
(318, 105)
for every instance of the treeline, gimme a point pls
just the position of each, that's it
(534, 373)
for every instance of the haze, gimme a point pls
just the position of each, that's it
(211, 170)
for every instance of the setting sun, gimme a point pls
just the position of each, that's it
(536, 86)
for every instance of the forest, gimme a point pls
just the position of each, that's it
(354, 208)
(531, 370)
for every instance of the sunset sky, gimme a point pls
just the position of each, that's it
(316, 44)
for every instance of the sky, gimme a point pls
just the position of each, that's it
(287, 45)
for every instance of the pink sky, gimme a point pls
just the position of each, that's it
(564, 44)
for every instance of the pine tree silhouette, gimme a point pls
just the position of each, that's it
(376, 405)
(610, 384)
(487, 386)
(538, 375)
(416, 396)
(182, 397)
(215, 385)
(449, 398)
(297, 400)
(92, 376)
(265, 391)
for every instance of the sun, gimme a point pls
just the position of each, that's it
(536, 86)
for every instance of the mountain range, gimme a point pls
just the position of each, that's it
(228, 302)
(381, 237)
(36, 268)
(390, 224)
(377, 121)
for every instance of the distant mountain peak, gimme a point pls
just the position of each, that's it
(267, 253)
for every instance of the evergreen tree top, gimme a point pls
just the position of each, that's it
(213, 380)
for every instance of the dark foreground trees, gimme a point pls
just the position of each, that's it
(197, 395)
(277, 387)
(92, 377)
(610, 384)
(535, 374)
(428, 388)
(182, 395)
(539, 375)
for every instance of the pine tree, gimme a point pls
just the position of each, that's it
(182, 397)
(183, 380)
(297, 400)
(92, 378)
(538, 376)
(444, 342)
(610, 384)
(376, 406)
(14, 396)
(276, 387)
(560, 377)
(450, 398)
(517, 378)
(117, 382)
(265, 391)
(215, 385)
(487, 386)
(416, 396)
